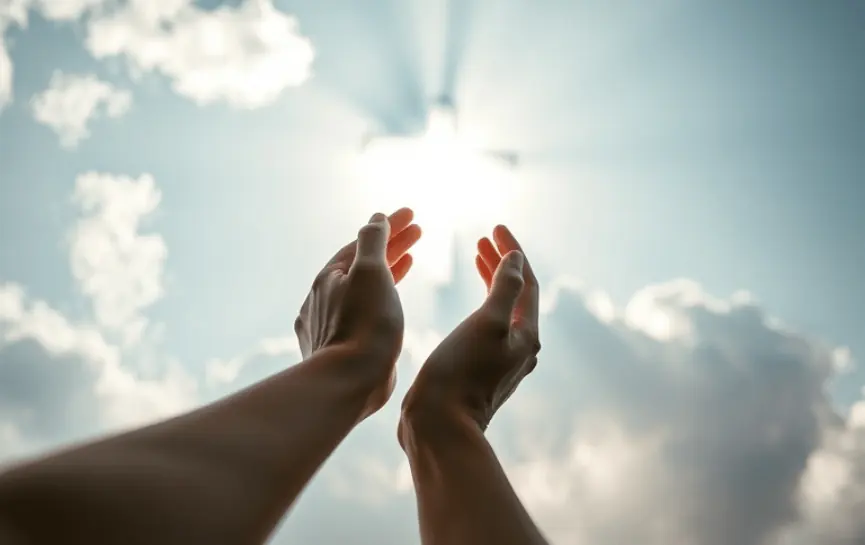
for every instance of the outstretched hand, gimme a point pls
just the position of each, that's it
(479, 365)
(353, 301)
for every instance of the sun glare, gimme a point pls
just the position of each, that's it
(453, 189)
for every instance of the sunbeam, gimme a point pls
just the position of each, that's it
(453, 188)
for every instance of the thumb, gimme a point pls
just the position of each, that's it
(372, 239)
(506, 286)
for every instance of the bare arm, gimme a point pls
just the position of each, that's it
(464, 497)
(223, 474)
(463, 494)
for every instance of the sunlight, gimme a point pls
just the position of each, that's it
(453, 188)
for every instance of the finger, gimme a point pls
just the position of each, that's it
(402, 243)
(400, 220)
(528, 307)
(507, 285)
(372, 239)
(401, 268)
(484, 271)
(507, 242)
(489, 254)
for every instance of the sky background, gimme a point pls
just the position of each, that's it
(173, 174)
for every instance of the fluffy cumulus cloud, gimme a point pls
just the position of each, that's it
(244, 56)
(676, 419)
(14, 13)
(61, 378)
(681, 419)
(71, 101)
(117, 267)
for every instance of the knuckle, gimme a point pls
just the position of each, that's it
(365, 267)
(496, 326)
(298, 325)
(531, 340)
(371, 229)
(514, 280)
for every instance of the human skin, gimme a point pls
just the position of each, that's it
(226, 473)
(463, 494)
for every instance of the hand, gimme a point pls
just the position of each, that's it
(480, 364)
(353, 301)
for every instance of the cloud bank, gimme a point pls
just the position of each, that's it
(679, 418)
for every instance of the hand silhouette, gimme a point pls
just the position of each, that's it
(353, 301)
(480, 364)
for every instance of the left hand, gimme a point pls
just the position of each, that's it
(353, 301)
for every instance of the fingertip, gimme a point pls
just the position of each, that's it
(406, 212)
(401, 219)
(377, 217)
(401, 268)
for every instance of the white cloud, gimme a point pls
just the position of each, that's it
(714, 429)
(282, 350)
(117, 267)
(709, 428)
(60, 380)
(71, 101)
(244, 56)
(66, 10)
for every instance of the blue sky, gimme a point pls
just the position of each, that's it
(723, 143)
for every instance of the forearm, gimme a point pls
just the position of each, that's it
(463, 494)
(223, 474)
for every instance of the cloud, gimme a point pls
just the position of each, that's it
(118, 268)
(66, 10)
(244, 56)
(61, 381)
(684, 419)
(678, 418)
(71, 101)
(270, 355)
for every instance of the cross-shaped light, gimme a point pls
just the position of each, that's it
(453, 185)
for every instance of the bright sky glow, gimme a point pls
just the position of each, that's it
(452, 186)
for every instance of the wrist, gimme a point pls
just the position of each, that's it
(362, 374)
(425, 423)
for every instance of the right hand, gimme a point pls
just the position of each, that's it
(480, 364)
(353, 302)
